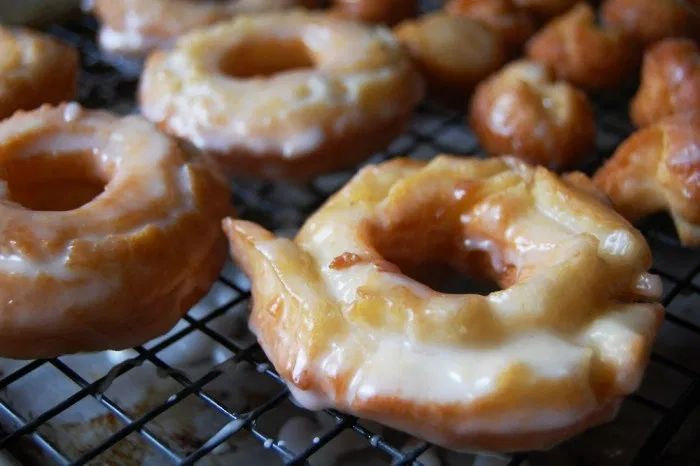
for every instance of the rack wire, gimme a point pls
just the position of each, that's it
(656, 425)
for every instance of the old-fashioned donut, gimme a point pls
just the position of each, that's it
(109, 231)
(285, 95)
(547, 356)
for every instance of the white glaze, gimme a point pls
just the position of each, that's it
(127, 41)
(293, 112)
(550, 321)
(141, 166)
(134, 33)
(71, 112)
(649, 285)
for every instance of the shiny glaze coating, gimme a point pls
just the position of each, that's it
(304, 93)
(34, 69)
(453, 52)
(670, 81)
(136, 27)
(656, 169)
(648, 21)
(581, 52)
(514, 25)
(517, 369)
(121, 266)
(522, 111)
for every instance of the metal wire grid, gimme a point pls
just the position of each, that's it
(435, 129)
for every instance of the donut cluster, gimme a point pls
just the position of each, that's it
(111, 226)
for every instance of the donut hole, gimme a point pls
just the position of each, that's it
(443, 277)
(53, 182)
(435, 256)
(264, 57)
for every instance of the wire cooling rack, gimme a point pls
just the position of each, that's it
(204, 393)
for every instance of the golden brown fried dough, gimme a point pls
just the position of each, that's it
(109, 231)
(670, 81)
(520, 368)
(656, 169)
(647, 21)
(514, 25)
(287, 95)
(34, 69)
(583, 53)
(387, 12)
(137, 27)
(453, 52)
(522, 111)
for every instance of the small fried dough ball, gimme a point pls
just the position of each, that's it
(523, 111)
(514, 25)
(648, 21)
(581, 52)
(658, 169)
(454, 53)
(670, 82)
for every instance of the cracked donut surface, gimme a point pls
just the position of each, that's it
(95, 213)
(288, 95)
(550, 354)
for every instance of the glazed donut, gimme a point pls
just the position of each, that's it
(670, 81)
(34, 69)
(522, 111)
(648, 21)
(346, 327)
(136, 27)
(514, 25)
(658, 168)
(96, 213)
(583, 53)
(376, 11)
(545, 9)
(286, 95)
(453, 52)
